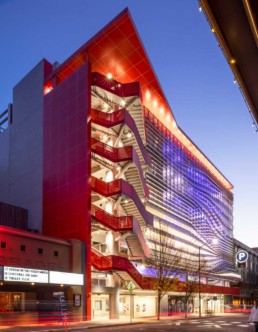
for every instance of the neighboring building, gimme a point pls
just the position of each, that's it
(237, 36)
(13, 216)
(92, 150)
(34, 271)
(249, 272)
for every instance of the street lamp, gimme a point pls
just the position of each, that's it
(214, 241)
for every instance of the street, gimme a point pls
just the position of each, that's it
(227, 323)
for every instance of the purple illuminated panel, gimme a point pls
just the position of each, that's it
(193, 197)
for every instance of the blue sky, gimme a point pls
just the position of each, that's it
(190, 66)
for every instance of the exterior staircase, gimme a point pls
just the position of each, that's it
(134, 206)
(122, 267)
(134, 239)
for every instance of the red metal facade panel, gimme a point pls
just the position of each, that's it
(66, 162)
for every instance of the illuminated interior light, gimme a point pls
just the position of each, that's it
(213, 30)
(33, 283)
(126, 201)
(214, 241)
(200, 8)
(234, 81)
(122, 103)
(162, 110)
(61, 285)
(232, 61)
(168, 117)
(148, 95)
(142, 266)
(129, 134)
(155, 103)
(109, 76)
(47, 89)
(119, 85)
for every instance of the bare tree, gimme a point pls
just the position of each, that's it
(191, 286)
(165, 261)
(170, 261)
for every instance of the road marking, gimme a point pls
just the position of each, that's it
(246, 325)
(236, 322)
(210, 323)
(217, 326)
(225, 324)
(178, 323)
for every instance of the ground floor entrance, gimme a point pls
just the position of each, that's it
(140, 304)
(11, 301)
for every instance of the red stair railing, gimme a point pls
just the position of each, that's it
(117, 263)
(117, 187)
(109, 120)
(111, 153)
(106, 188)
(116, 223)
(118, 155)
(119, 89)
(100, 261)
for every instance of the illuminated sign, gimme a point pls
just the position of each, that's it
(65, 278)
(130, 286)
(242, 256)
(19, 274)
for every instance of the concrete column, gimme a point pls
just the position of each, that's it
(114, 302)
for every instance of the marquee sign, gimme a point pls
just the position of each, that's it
(20, 274)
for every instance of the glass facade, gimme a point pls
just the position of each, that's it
(187, 200)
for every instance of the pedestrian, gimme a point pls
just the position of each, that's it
(253, 318)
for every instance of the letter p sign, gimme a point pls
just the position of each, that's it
(242, 256)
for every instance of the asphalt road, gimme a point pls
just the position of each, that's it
(234, 323)
(228, 324)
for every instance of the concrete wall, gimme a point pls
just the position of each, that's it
(4, 166)
(54, 256)
(21, 162)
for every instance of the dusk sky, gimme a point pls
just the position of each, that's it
(191, 68)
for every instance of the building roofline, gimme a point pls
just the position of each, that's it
(147, 79)
(30, 235)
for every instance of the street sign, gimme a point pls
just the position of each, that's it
(130, 286)
(242, 256)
